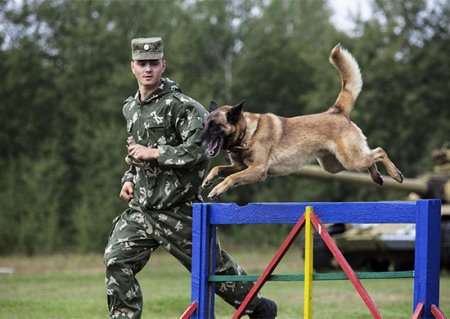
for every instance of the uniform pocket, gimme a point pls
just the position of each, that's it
(158, 131)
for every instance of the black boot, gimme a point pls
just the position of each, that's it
(267, 309)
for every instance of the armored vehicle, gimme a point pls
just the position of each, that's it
(380, 247)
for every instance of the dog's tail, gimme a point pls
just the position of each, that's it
(351, 80)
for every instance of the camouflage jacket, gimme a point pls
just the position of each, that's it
(170, 121)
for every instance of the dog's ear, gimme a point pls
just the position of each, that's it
(212, 106)
(234, 113)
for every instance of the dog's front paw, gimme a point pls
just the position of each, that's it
(213, 194)
(207, 182)
(210, 178)
(218, 190)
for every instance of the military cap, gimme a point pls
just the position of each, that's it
(147, 48)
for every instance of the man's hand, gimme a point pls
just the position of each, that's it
(142, 152)
(127, 191)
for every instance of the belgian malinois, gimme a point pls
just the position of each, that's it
(261, 145)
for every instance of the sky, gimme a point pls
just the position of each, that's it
(344, 9)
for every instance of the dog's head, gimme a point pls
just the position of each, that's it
(221, 127)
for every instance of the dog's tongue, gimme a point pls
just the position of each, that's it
(214, 147)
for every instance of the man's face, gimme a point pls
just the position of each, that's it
(148, 73)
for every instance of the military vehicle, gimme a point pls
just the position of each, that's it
(381, 247)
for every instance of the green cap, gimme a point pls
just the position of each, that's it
(147, 48)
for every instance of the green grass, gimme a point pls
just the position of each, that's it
(72, 286)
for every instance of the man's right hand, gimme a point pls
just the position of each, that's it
(127, 191)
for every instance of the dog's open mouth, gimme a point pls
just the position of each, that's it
(215, 146)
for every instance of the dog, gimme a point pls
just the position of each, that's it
(261, 145)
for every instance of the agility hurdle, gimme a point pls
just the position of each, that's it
(424, 213)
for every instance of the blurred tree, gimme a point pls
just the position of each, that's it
(274, 68)
(65, 72)
(406, 78)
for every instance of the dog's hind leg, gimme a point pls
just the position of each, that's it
(375, 174)
(380, 156)
(330, 163)
(362, 159)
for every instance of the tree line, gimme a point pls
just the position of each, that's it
(65, 73)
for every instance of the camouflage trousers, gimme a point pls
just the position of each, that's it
(135, 235)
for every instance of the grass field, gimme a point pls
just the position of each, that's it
(72, 286)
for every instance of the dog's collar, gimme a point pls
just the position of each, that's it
(238, 148)
(237, 143)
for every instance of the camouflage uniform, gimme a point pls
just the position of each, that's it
(160, 214)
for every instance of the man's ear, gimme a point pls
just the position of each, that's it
(212, 106)
(234, 114)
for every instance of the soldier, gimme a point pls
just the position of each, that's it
(164, 178)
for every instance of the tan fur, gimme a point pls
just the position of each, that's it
(262, 145)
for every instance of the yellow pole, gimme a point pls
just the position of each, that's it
(307, 303)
